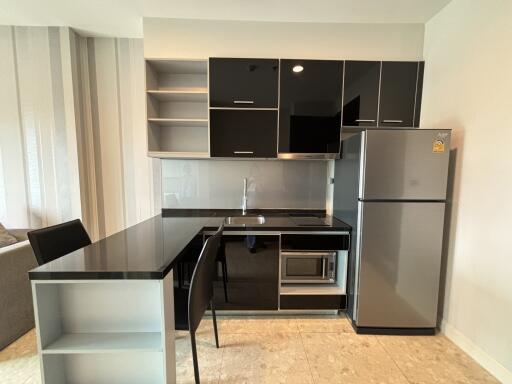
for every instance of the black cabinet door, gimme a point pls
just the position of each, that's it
(398, 94)
(252, 264)
(243, 133)
(243, 83)
(310, 106)
(361, 93)
(419, 94)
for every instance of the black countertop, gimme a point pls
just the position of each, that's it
(150, 249)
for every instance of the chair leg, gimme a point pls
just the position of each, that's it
(214, 323)
(225, 268)
(225, 280)
(179, 271)
(194, 356)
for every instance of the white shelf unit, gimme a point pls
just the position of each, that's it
(311, 289)
(105, 331)
(105, 342)
(177, 108)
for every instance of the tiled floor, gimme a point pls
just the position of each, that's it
(314, 349)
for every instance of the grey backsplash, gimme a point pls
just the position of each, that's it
(219, 184)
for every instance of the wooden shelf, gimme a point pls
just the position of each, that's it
(179, 122)
(178, 155)
(70, 343)
(181, 95)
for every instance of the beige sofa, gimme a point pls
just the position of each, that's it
(16, 310)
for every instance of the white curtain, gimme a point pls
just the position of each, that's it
(73, 131)
(39, 182)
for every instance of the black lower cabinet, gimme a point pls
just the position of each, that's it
(186, 264)
(313, 301)
(252, 265)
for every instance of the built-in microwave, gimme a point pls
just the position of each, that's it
(308, 267)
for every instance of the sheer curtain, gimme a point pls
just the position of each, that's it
(39, 182)
(73, 131)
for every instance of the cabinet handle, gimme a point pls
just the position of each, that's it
(365, 121)
(392, 121)
(243, 152)
(243, 102)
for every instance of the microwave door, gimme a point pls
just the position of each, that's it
(306, 267)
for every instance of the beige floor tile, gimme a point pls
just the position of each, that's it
(208, 356)
(427, 359)
(241, 378)
(321, 338)
(260, 324)
(264, 358)
(206, 325)
(272, 350)
(349, 358)
(19, 362)
(328, 324)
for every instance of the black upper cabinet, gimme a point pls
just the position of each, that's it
(243, 133)
(243, 83)
(310, 106)
(398, 94)
(361, 93)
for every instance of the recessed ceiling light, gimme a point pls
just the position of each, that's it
(298, 68)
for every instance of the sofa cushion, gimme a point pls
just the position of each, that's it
(16, 309)
(6, 238)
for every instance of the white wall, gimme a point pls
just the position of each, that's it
(468, 82)
(39, 182)
(173, 38)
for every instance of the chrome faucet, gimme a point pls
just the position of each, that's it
(244, 198)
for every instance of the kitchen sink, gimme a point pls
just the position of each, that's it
(245, 220)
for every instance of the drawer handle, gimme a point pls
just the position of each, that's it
(365, 121)
(243, 152)
(243, 102)
(392, 121)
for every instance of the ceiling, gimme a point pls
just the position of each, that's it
(123, 18)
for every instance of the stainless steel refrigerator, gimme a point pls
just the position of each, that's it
(390, 186)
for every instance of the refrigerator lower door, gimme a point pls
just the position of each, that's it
(399, 260)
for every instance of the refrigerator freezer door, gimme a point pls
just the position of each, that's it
(405, 164)
(399, 261)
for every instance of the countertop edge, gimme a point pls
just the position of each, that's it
(160, 274)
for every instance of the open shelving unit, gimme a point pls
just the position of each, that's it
(177, 108)
(105, 342)
(105, 331)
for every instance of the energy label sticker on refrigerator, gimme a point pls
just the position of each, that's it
(438, 146)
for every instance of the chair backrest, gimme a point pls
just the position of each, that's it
(58, 240)
(201, 286)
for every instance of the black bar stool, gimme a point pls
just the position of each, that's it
(191, 304)
(50, 243)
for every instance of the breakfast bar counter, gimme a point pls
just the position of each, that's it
(105, 313)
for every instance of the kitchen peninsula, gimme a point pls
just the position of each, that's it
(112, 301)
